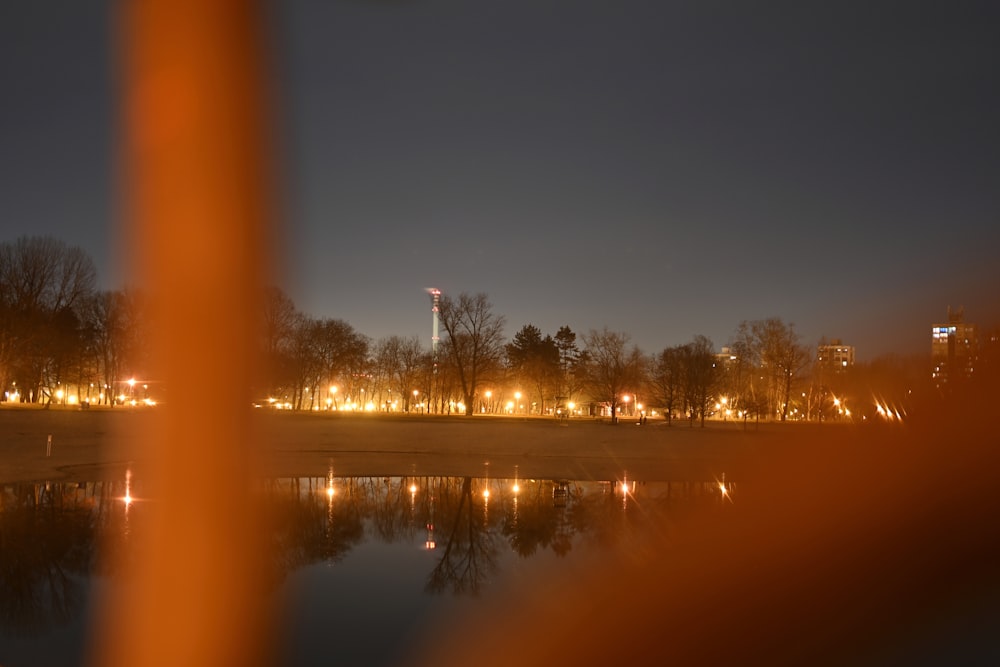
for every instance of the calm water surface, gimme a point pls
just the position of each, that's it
(365, 570)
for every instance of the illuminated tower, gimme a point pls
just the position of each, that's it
(435, 303)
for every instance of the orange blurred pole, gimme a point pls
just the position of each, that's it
(196, 202)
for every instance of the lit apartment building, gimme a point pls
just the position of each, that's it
(954, 347)
(835, 356)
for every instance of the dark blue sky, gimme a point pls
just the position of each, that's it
(663, 168)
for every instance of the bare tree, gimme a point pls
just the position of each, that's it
(666, 380)
(779, 358)
(700, 374)
(44, 285)
(277, 339)
(117, 322)
(743, 380)
(475, 340)
(401, 361)
(327, 351)
(611, 367)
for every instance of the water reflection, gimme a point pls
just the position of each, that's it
(55, 538)
(48, 538)
(467, 520)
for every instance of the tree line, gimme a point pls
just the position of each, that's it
(62, 340)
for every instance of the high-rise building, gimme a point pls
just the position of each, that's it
(954, 347)
(835, 356)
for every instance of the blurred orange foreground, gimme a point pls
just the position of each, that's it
(195, 202)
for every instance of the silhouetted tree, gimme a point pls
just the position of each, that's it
(666, 380)
(744, 382)
(699, 376)
(279, 325)
(570, 359)
(612, 367)
(777, 359)
(401, 361)
(326, 351)
(44, 285)
(475, 340)
(116, 322)
(535, 360)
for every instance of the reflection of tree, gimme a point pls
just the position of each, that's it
(470, 554)
(393, 508)
(46, 545)
(608, 519)
(50, 534)
(539, 523)
(307, 525)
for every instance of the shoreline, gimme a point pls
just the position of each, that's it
(101, 442)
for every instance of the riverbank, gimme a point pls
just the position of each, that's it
(100, 442)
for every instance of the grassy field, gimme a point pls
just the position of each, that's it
(95, 443)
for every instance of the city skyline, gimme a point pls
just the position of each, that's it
(665, 170)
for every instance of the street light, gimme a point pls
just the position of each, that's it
(517, 400)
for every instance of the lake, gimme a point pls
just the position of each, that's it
(366, 569)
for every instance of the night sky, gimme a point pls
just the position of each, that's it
(662, 168)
